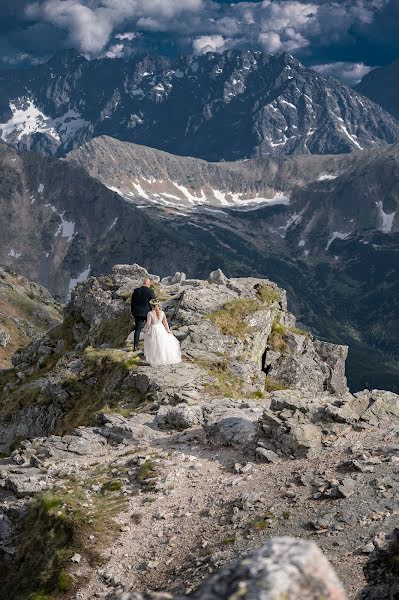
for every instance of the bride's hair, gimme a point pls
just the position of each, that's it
(157, 309)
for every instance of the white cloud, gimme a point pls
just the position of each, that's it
(350, 73)
(274, 25)
(128, 36)
(115, 51)
(20, 57)
(209, 43)
(90, 23)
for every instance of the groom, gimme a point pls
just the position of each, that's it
(141, 307)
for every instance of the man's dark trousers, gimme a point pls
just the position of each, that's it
(139, 323)
(140, 308)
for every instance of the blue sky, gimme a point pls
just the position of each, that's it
(345, 38)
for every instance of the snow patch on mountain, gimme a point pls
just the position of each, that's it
(337, 235)
(27, 119)
(387, 219)
(69, 125)
(171, 193)
(83, 276)
(326, 177)
(65, 228)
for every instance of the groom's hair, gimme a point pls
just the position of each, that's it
(147, 282)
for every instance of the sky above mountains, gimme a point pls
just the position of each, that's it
(344, 38)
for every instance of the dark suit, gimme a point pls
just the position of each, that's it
(140, 308)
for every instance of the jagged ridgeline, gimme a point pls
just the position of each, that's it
(230, 105)
(253, 431)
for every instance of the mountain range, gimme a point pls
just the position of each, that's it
(219, 106)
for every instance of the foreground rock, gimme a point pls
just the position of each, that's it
(282, 568)
(382, 571)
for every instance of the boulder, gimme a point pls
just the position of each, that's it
(182, 416)
(119, 430)
(134, 271)
(382, 408)
(335, 357)
(308, 364)
(218, 277)
(177, 278)
(231, 423)
(284, 567)
(381, 570)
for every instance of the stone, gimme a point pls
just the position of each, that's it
(334, 356)
(217, 277)
(382, 409)
(182, 416)
(347, 487)
(120, 430)
(177, 278)
(76, 558)
(381, 574)
(227, 424)
(263, 454)
(4, 338)
(26, 483)
(283, 568)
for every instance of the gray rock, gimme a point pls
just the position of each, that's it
(218, 277)
(4, 338)
(382, 409)
(177, 278)
(334, 356)
(381, 571)
(120, 430)
(291, 432)
(26, 483)
(182, 416)
(283, 568)
(227, 424)
(76, 558)
(266, 455)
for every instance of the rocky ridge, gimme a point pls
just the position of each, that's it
(26, 312)
(231, 105)
(255, 431)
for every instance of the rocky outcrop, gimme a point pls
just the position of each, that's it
(27, 311)
(282, 568)
(239, 344)
(381, 570)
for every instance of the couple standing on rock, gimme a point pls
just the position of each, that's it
(161, 348)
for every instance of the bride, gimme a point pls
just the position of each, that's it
(160, 345)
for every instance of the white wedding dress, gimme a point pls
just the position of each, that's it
(161, 348)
